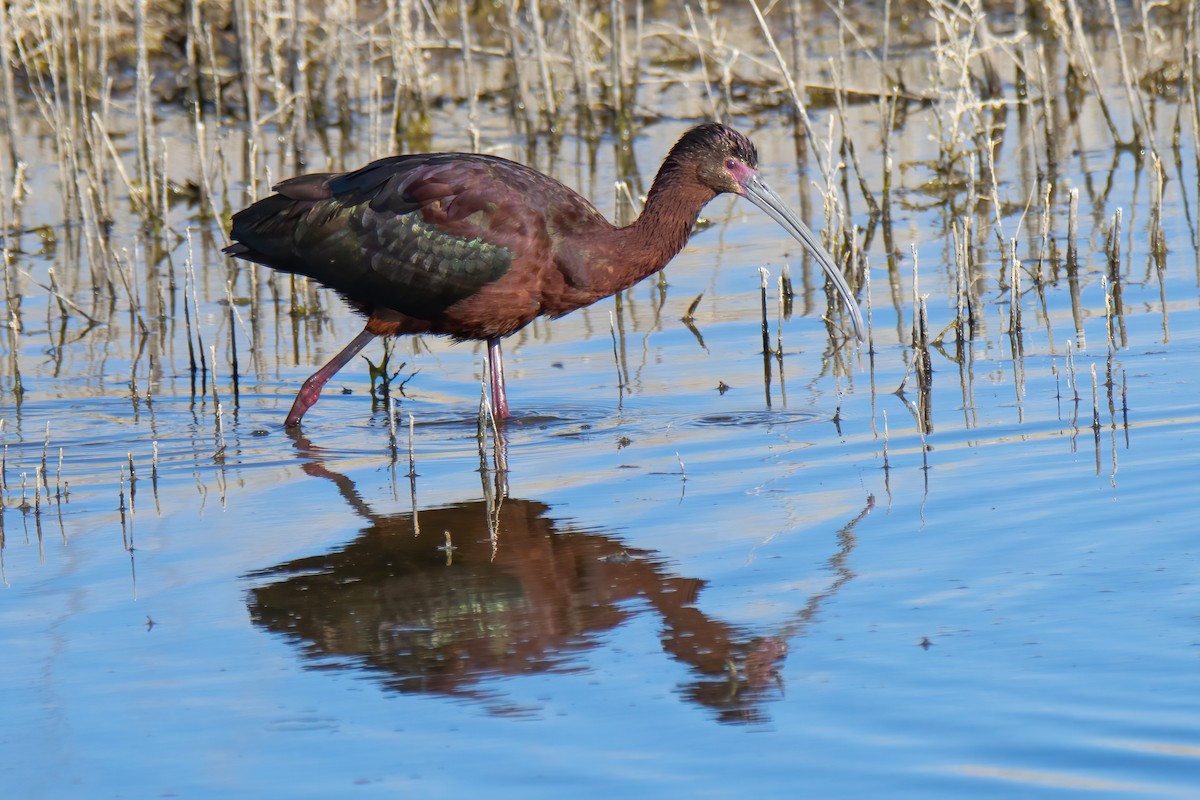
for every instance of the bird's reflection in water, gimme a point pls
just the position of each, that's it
(484, 589)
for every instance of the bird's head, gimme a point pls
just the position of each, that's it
(726, 161)
(724, 158)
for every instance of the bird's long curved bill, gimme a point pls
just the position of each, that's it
(763, 196)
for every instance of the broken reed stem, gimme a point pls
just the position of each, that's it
(1014, 291)
(612, 327)
(1106, 288)
(885, 441)
(1124, 407)
(232, 341)
(219, 422)
(1095, 402)
(188, 277)
(921, 356)
(764, 275)
(1073, 226)
(870, 311)
(1071, 372)
(121, 507)
(45, 452)
(1113, 250)
(1158, 241)
(132, 480)
(1045, 238)
(154, 459)
(920, 326)
(389, 408)
(961, 295)
(779, 336)
(412, 450)
(786, 292)
(192, 295)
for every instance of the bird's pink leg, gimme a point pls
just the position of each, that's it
(496, 378)
(310, 392)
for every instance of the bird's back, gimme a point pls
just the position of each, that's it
(415, 234)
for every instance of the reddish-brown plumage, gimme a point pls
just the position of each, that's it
(477, 247)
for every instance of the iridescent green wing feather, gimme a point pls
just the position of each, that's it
(412, 233)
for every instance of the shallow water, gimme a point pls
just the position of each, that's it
(672, 591)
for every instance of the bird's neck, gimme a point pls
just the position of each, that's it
(662, 229)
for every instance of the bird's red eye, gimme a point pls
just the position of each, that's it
(731, 163)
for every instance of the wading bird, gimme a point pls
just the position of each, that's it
(477, 247)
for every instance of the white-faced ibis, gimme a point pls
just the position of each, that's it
(477, 247)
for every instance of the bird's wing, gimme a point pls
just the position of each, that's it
(412, 233)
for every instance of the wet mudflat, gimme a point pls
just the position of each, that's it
(709, 568)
